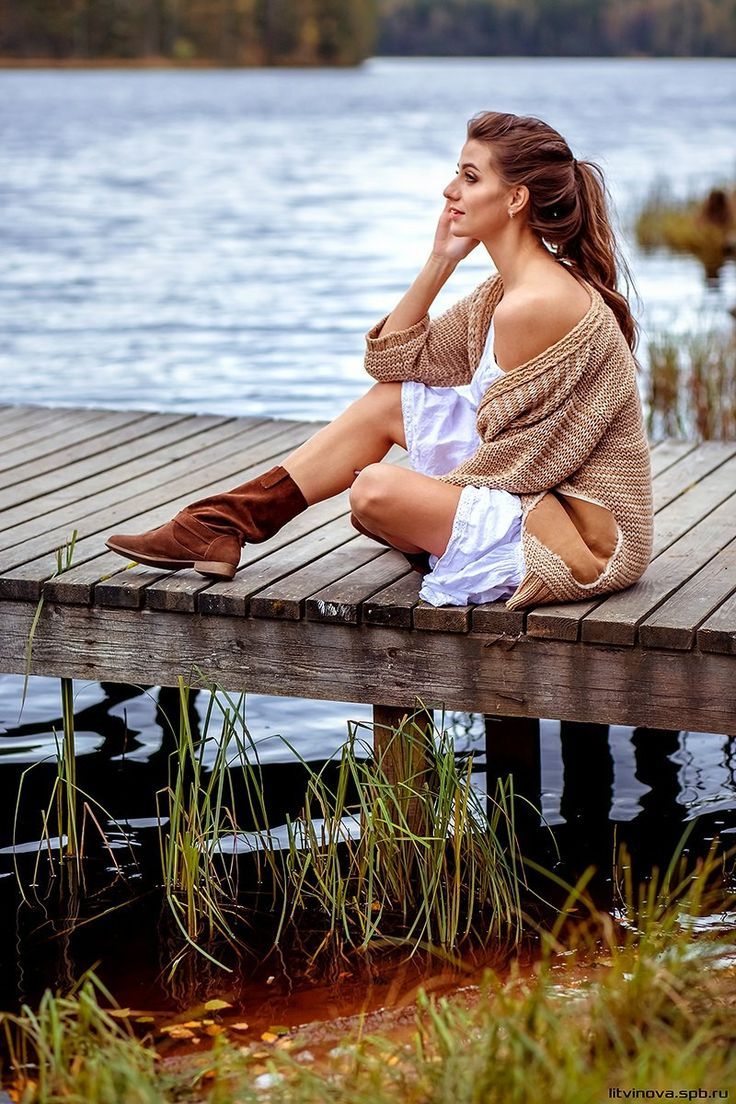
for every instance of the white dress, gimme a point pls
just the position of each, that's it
(483, 560)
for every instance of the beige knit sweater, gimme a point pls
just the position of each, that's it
(564, 431)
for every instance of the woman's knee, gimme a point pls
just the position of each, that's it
(370, 491)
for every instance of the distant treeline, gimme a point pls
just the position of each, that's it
(344, 32)
(233, 32)
(658, 28)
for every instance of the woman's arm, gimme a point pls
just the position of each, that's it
(447, 252)
(406, 345)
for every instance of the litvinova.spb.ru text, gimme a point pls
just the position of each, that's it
(668, 1094)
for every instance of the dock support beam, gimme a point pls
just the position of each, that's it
(512, 747)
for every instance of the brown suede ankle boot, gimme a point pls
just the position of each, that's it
(418, 561)
(208, 534)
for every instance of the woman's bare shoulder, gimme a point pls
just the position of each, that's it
(529, 319)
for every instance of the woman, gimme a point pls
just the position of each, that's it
(518, 406)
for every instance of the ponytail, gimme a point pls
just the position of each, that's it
(593, 252)
(568, 206)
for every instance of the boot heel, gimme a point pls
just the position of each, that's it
(215, 570)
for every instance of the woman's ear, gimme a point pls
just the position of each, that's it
(520, 198)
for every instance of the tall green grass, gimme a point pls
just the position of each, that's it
(71, 1048)
(634, 999)
(195, 811)
(371, 860)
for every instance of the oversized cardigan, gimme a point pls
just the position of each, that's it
(564, 431)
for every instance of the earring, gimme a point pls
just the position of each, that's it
(511, 214)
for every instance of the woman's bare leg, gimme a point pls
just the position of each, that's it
(362, 435)
(414, 512)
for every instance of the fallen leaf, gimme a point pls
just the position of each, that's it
(269, 1037)
(120, 1013)
(177, 1031)
(214, 1029)
(239, 1027)
(145, 1019)
(216, 1004)
(279, 1030)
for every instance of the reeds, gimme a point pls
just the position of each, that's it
(370, 860)
(455, 878)
(692, 386)
(702, 227)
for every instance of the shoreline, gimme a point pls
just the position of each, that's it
(155, 61)
(160, 62)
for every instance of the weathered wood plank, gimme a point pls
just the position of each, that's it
(393, 605)
(616, 620)
(674, 624)
(74, 587)
(668, 452)
(47, 437)
(687, 472)
(558, 620)
(693, 505)
(184, 448)
(534, 678)
(187, 591)
(341, 601)
(88, 457)
(25, 419)
(262, 571)
(286, 598)
(26, 566)
(455, 619)
(678, 506)
(24, 483)
(261, 565)
(128, 587)
(493, 617)
(718, 632)
(124, 477)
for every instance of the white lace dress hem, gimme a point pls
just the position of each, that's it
(483, 560)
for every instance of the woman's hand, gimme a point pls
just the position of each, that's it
(447, 245)
(447, 251)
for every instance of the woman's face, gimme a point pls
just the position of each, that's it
(478, 199)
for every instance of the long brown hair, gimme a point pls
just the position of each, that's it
(568, 202)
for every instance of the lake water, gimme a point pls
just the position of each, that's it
(219, 241)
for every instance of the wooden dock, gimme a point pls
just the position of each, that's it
(322, 612)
